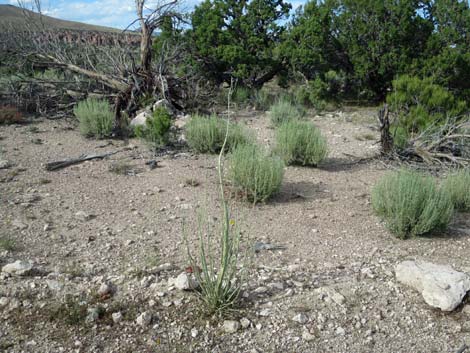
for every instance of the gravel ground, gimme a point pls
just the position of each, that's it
(116, 221)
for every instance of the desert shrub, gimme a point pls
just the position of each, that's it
(95, 118)
(263, 99)
(206, 134)
(10, 115)
(420, 104)
(218, 257)
(316, 93)
(255, 173)
(411, 204)
(49, 75)
(284, 110)
(300, 142)
(335, 84)
(156, 129)
(242, 96)
(121, 168)
(457, 186)
(313, 94)
(7, 243)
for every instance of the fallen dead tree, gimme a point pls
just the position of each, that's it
(126, 74)
(51, 166)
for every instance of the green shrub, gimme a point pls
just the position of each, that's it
(284, 110)
(401, 136)
(420, 104)
(255, 173)
(335, 84)
(242, 96)
(206, 134)
(263, 99)
(411, 204)
(457, 186)
(7, 243)
(95, 118)
(316, 93)
(156, 129)
(300, 142)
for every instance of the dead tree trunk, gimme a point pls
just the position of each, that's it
(386, 140)
(143, 77)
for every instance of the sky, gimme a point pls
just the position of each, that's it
(111, 13)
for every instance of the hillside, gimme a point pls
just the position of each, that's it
(15, 16)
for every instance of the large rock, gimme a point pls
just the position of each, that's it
(140, 119)
(441, 286)
(18, 268)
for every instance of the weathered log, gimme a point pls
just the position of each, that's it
(72, 161)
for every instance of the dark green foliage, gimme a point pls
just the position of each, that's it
(300, 142)
(255, 173)
(373, 41)
(411, 204)
(420, 104)
(157, 128)
(370, 41)
(238, 39)
(447, 55)
(308, 45)
(206, 134)
(316, 93)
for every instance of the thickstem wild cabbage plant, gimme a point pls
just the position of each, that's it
(218, 277)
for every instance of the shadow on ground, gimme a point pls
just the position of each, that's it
(299, 192)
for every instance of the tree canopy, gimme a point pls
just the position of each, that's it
(239, 39)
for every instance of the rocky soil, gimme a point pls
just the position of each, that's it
(93, 251)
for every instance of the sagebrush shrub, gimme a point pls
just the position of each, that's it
(457, 186)
(411, 204)
(255, 173)
(156, 129)
(95, 118)
(300, 142)
(263, 99)
(284, 110)
(206, 134)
